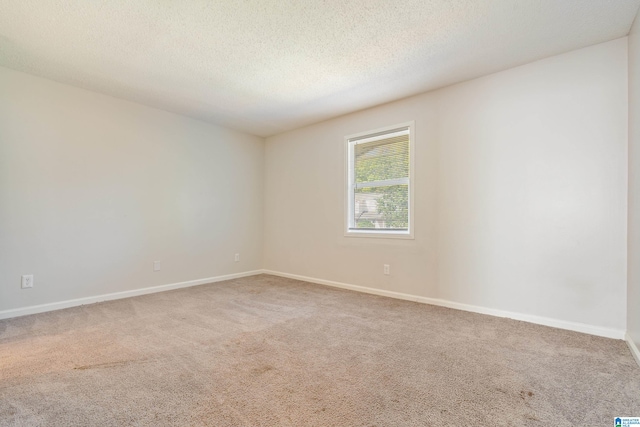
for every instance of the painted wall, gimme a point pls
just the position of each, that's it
(633, 292)
(521, 187)
(94, 189)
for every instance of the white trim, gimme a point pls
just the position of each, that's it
(546, 321)
(362, 137)
(357, 140)
(387, 234)
(16, 312)
(554, 323)
(633, 348)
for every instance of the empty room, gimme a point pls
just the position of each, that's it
(320, 213)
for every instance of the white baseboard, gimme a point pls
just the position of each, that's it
(633, 348)
(6, 314)
(555, 323)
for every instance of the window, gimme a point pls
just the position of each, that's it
(379, 182)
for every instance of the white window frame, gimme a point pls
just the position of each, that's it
(349, 198)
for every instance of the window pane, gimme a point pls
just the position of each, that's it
(383, 159)
(382, 208)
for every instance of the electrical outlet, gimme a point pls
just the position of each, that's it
(237, 258)
(386, 269)
(27, 281)
(156, 265)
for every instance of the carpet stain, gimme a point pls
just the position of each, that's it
(263, 369)
(525, 394)
(109, 364)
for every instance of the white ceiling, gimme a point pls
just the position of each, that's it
(266, 66)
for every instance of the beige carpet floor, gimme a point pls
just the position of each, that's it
(268, 351)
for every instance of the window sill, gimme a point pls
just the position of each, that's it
(379, 234)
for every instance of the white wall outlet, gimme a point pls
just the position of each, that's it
(27, 281)
(386, 269)
(156, 265)
(237, 257)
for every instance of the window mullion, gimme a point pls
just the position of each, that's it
(382, 183)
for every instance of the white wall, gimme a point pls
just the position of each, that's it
(94, 189)
(521, 183)
(633, 295)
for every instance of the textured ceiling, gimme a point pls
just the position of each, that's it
(266, 66)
